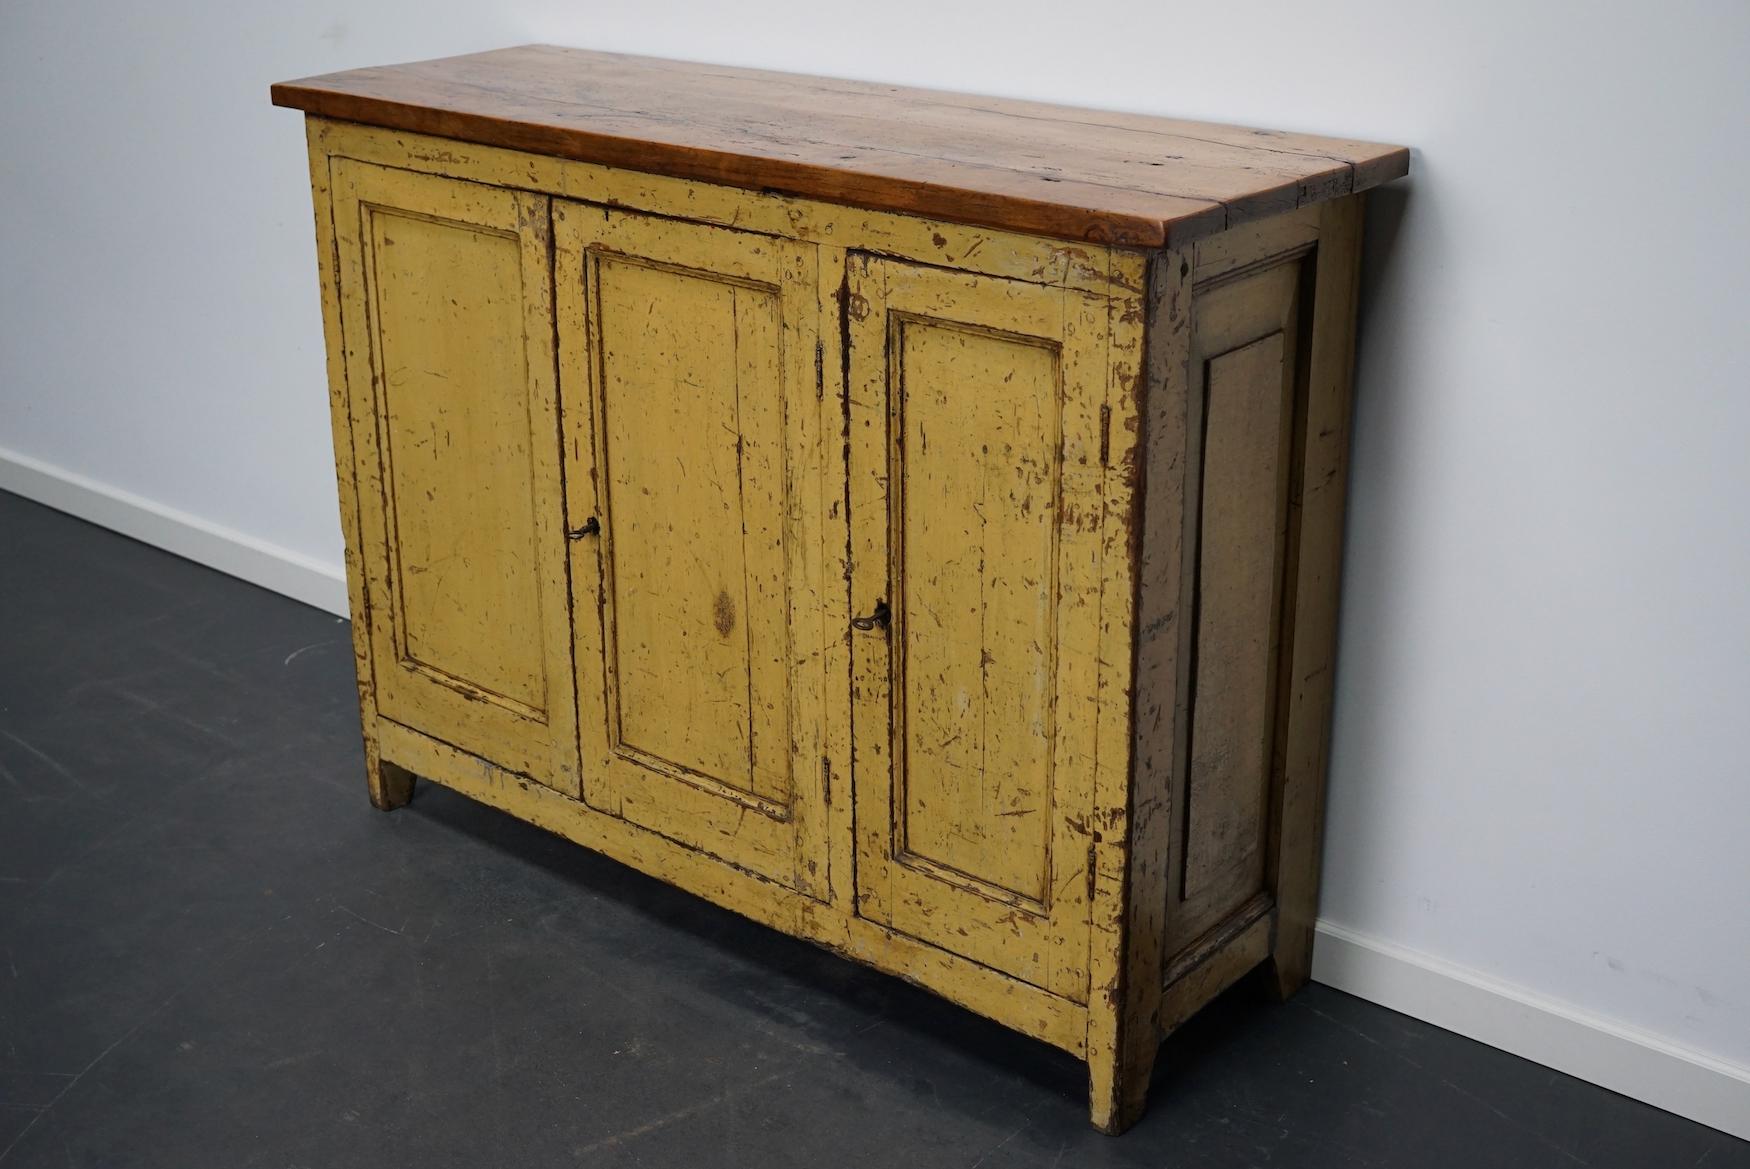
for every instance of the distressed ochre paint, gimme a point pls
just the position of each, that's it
(820, 407)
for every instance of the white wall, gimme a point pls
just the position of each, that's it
(1539, 768)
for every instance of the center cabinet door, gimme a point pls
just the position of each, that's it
(975, 502)
(689, 376)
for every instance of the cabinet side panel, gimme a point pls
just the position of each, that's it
(1245, 374)
(1245, 433)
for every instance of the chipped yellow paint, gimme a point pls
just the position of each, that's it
(1085, 266)
(688, 369)
(832, 481)
(622, 456)
(1129, 823)
(976, 412)
(446, 310)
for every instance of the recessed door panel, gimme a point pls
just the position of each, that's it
(691, 416)
(1244, 389)
(979, 427)
(446, 308)
(697, 687)
(976, 485)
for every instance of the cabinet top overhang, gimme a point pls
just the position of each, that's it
(1127, 179)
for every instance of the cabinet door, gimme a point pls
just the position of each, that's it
(446, 311)
(689, 367)
(976, 409)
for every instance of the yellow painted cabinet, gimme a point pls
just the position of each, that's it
(691, 388)
(977, 409)
(911, 521)
(446, 309)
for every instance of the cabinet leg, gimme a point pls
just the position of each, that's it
(1290, 963)
(1118, 1086)
(391, 786)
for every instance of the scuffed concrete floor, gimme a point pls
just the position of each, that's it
(214, 953)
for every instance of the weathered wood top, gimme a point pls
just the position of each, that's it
(1024, 166)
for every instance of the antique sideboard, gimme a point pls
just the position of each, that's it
(908, 519)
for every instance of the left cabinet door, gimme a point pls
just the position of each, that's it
(447, 319)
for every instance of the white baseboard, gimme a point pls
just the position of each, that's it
(1543, 1030)
(1555, 1034)
(238, 554)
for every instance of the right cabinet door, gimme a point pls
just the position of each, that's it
(976, 450)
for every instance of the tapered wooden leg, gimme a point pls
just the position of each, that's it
(1118, 1086)
(391, 786)
(1131, 888)
(1124, 1037)
(1290, 963)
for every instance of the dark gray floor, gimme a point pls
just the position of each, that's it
(214, 953)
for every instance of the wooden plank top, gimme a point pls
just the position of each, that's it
(1128, 179)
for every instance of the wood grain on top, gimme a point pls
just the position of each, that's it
(1023, 166)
